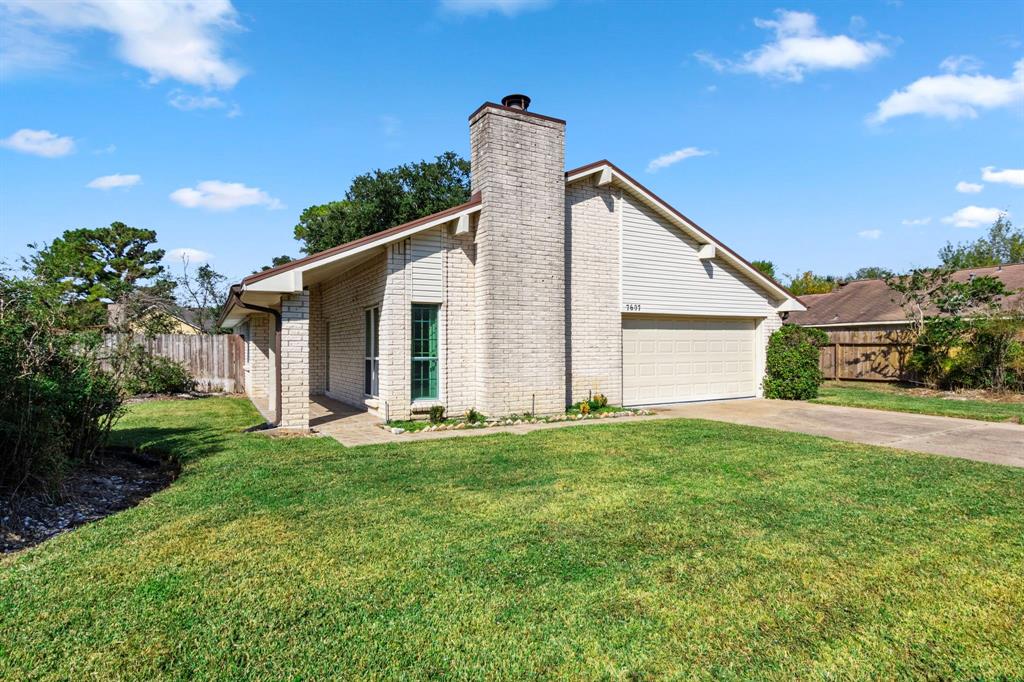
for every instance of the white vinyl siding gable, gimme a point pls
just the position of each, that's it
(427, 263)
(661, 272)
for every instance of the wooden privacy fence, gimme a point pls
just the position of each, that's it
(216, 362)
(871, 355)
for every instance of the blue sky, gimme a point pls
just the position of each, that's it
(820, 136)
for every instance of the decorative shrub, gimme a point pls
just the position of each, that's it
(585, 407)
(474, 417)
(792, 363)
(598, 401)
(156, 374)
(437, 414)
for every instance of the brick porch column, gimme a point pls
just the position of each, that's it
(295, 361)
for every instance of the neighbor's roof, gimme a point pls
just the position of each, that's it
(867, 301)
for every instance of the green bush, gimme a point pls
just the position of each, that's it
(57, 401)
(436, 414)
(792, 371)
(161, 375)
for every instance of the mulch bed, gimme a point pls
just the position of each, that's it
(116, 480)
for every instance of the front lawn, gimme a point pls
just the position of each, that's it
(686, 549)
(883, 396)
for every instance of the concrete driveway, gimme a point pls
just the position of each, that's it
(997, 443)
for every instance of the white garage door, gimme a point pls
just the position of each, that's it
(672, 359)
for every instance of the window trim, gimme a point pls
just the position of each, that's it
(435, 357)
(371, 351)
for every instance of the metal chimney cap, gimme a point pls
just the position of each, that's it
(516, 101)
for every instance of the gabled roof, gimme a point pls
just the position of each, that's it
(609, 172)
(871, 301)
(384, 236)
(288, 277)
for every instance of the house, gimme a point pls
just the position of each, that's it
(545, 287)
(173, 320)
(867, 326)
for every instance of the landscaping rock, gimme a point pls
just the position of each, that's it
(118, 479)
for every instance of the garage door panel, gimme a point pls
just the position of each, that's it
(670, 359)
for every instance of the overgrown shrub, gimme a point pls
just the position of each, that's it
(792, 371)
(57, 400)
(436, 414)
(155, 374)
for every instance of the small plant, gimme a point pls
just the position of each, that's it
(598, 401)
(585, 408)
(437, 414)
(474, 417)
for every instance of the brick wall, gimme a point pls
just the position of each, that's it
(518, 164)
(317, 342)
(259, 355)
(295, 360)
(458, 324)
(593, 312)
(396, 334)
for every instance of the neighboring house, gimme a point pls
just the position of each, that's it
(866, 324)
(544, 288)
(177, 320)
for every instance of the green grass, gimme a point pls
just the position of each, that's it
(686, 549)
(898, 399)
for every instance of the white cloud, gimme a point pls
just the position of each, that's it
(916, 221)
(390, 126)
(973, 216)
(115, 180)
(188, 255)
(869, 234)
(962, 63)
(969, 187)
(952, 96)
(216, 195)
(39, 142)
(109, 149)
(509, 8)
(799, 47)
(666, 160)
(186, 102)
(1010, 176)
(166, 38)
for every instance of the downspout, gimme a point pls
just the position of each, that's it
(277, 348)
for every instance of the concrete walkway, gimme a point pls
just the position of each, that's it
(994, 442)
(982, 441)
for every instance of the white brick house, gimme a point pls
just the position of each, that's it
(546, 287)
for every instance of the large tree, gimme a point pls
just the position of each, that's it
(204, 291)
(384, 198)
(96, 266)
(1003, 245)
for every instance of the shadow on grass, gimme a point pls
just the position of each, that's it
(182, 444)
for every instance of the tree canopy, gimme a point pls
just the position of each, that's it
(766, 267)
(95, 266)
(381, 199)
(810, 283)
(1003, 245)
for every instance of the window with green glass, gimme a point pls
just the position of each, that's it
(424, 352)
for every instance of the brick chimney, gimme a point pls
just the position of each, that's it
(518, 164)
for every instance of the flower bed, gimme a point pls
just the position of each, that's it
(574, 413)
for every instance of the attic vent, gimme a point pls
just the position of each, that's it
(516, 101)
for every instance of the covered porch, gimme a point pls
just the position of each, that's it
(337, 325)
